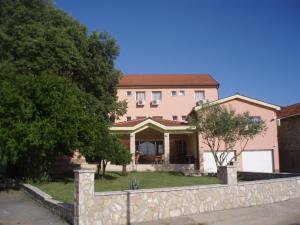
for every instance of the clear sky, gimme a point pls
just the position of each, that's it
(250, 46)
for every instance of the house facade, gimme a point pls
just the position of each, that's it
(156, 130)
(289, 138)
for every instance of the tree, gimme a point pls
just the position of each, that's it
(111, 150)
(58, 86)
(223, 130)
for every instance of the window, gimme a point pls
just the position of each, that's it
(128, 93)
(174, 118)
(128, 118)
(199, 95)
(255, 119)
(174, 93)
(156, 95)
(181, 93)
(140, 95)
(183, 118)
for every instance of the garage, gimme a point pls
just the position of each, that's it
(258, 161)
(209, 161)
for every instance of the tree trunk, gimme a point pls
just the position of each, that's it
(104, 163)
(124, 172)
(98, 168)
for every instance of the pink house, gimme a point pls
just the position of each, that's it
(157, 133)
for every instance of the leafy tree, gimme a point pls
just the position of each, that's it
(223, 130)
(41, 118)
(58, 86)
(111, 150)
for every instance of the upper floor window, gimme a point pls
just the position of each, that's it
(156, 95)
(174, 93)
(174, 118)
(199, 95)
(183, 118)
(140, 96)
(128, 118)
(128, 93)
(181, 93)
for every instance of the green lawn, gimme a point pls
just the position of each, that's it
(63, 190)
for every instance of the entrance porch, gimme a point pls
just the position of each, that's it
(157, 144)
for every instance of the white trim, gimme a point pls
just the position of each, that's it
(237, 96)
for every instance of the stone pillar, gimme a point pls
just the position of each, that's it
(228, 174)
(167, 147)
(132, 150)
(83, 193)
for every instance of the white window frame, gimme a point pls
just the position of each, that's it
(140, 92)
(195, 95)
(156, 92)
(181, 93)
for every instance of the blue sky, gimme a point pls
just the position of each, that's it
(251, 46)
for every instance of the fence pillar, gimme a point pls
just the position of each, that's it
(83, 192)
(228, 174)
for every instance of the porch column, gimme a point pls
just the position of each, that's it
(132, 149)
(200, 154)
(167, 147)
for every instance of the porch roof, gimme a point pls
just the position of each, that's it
(162, 124)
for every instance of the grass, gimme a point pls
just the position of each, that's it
(63, 189)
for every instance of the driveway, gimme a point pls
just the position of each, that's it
(283, 213)
(18, 208)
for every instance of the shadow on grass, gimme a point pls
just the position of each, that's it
(175, 173)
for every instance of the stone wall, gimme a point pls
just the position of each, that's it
(61, 209)
(125, 207)
(289, 144)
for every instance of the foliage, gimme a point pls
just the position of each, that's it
(111, 150)
(58, 86)
(36, 125)
(134, 184)
(223, 130)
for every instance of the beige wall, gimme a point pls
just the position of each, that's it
(170, 105)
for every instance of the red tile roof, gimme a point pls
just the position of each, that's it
(289, 111)
(167, 80)
(132, 123)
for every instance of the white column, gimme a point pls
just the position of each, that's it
(132, 149)
(167, 147)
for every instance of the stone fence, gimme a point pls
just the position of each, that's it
(61, 209)
(126, 207)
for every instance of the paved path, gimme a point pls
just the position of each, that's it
(283, 213)
(18, 208)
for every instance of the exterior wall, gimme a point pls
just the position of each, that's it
(266, 141)
(170, 105)
(289, 144)
(126, 207)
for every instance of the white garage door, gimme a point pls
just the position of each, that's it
(258, 161)
(209, 162)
